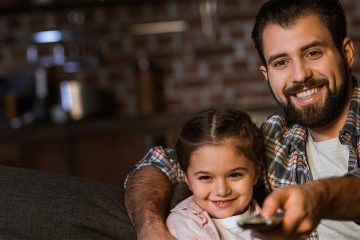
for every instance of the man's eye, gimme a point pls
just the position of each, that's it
(314, 54)
(280, 64)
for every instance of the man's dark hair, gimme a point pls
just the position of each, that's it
(286, 12)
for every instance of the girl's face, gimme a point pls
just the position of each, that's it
(221, 180)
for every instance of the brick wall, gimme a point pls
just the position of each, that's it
(196, 71)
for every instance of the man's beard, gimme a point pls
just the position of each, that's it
(316, 116)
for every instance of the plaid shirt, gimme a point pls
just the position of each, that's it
(285, 151)
(285, 146)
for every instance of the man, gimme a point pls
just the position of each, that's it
(306, 60)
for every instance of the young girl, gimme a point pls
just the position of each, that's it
(220, 152)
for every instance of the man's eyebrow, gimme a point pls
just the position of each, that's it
(302, 49)
(316, 43)
(273, 57)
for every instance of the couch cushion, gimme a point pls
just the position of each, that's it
(41, 205)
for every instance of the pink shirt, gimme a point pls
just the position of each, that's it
(188, 221)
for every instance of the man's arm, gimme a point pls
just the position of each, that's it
(305, 205)
(147, 196)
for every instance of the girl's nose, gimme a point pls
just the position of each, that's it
(222, 188)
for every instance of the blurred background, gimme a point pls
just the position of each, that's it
(88, 86)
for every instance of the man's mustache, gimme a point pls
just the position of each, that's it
(311, 83)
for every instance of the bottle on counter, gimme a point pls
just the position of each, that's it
(40, 109)
(150, 88)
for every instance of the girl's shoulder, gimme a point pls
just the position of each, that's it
(188, 221)
(187, 206)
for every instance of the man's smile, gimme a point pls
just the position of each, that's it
(307, 93)
(306, 89)
(306, 96)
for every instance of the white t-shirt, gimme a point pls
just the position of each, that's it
(229, 229)
(330, 159)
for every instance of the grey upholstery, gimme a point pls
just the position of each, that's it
(39, 205)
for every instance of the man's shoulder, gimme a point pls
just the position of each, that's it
(276, 118)
(274, 125)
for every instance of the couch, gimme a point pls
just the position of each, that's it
(40, 205)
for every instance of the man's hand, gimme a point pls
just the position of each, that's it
(302, 207)
(305, 205)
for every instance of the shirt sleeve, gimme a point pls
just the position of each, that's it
(355, 172)
(184, 228)
(165, 160)
(188, 226)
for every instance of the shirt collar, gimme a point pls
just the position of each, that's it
(352, 123)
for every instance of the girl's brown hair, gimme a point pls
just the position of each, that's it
(214, 125)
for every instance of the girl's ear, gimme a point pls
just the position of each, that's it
(257, 175)
(187, 182)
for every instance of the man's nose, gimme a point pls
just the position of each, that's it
(301, 71)
(222, 188)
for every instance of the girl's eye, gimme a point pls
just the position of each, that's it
(235, 175)
(204, 178)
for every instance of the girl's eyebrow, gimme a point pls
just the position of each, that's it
(231, 170)
(238, 168)
(201, 172)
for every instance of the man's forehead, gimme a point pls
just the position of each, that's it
(304, 30)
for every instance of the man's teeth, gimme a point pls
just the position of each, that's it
(307, 93)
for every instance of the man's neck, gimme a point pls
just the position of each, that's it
(321, 134)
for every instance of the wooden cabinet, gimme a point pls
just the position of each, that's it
(103, 150)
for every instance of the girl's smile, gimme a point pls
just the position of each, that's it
(221, 179)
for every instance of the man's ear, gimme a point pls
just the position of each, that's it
(348, 46)
(264, 72)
